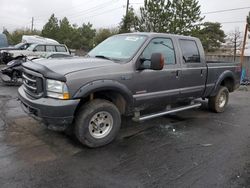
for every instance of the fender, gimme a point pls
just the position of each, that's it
(101, 85)
(225, 74)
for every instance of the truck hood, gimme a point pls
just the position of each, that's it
(69, 65)
(59, 68)
(8, 48)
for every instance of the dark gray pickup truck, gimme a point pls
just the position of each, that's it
(144, 75)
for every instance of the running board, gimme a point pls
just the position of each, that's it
(151, 116)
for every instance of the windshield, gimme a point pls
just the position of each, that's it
(120, 47)
(19, 45)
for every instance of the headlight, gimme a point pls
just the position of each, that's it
(57, 89)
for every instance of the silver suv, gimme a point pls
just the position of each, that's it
(38, 50)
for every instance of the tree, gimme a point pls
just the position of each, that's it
(211, 36)
(234, 41)
(87, 34)
(65, 32)
(16, 36)
(176, 16)
(248, 21)
(102, 34)
(155, 16)
(128, 23)
(8, 35)
(51, 28)
(186, 18)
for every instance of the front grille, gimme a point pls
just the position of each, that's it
(33, 83)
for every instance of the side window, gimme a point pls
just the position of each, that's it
(190, 51)
(50, 48)
(40, 48)
(61, 49)
(163, 46)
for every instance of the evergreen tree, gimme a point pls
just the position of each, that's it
(211, 36)
(128, 23)
(186, 17)
(65, 32)
(51, 28)
(248, 21)
(155, 16)
(102, 34)
(87, 34)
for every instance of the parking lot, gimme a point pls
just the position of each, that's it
(195, 148)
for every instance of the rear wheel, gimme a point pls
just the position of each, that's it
(97, 123)
(219, 102)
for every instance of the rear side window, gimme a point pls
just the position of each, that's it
(61, 49)
(40, 48)
(163, 46)
(50, 48)
(190, 51)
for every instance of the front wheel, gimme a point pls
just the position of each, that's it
(219, 102)
(97, 123)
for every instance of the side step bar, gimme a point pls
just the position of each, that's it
(178, 109)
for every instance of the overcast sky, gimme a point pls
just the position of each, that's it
(106, 13)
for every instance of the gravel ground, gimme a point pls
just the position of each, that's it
(195, 148)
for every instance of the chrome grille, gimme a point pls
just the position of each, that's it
(33, 83)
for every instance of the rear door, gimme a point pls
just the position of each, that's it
(193, 71)
(39, 50)
(61, 49)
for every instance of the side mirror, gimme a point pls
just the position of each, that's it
(157, 61)
(34, 50)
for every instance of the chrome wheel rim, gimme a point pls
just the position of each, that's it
(100, 124)
(222, 100)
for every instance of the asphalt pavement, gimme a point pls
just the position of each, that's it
(195, 148)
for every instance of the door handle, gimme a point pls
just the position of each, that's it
(176, 72)
(201, 72)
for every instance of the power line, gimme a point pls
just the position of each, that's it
(232, 22)
(93, 9)
(89, 10)
(66, 10)
(226, 10)
(107, 11)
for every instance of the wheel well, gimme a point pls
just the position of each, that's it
(229, 83)
(113, 96)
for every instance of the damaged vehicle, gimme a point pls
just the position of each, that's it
(142, 75)
(12, 72)
(28, 48)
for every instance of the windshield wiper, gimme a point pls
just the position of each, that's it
(103, 57)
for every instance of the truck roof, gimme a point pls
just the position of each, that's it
(153, 34)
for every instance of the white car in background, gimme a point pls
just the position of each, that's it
(38, 50)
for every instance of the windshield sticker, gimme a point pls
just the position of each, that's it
(134, 39)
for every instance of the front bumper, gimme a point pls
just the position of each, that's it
(5, 57)
(53, 112)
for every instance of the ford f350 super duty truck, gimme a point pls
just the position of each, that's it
(144, 75)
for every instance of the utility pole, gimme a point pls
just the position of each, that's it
(243, 69)
(127, 7)
(32, 24)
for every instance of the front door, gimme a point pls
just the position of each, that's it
(155, 85)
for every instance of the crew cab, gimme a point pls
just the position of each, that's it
(142, 75)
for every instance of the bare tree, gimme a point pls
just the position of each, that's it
(234, 42)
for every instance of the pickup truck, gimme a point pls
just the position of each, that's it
(143, 75)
